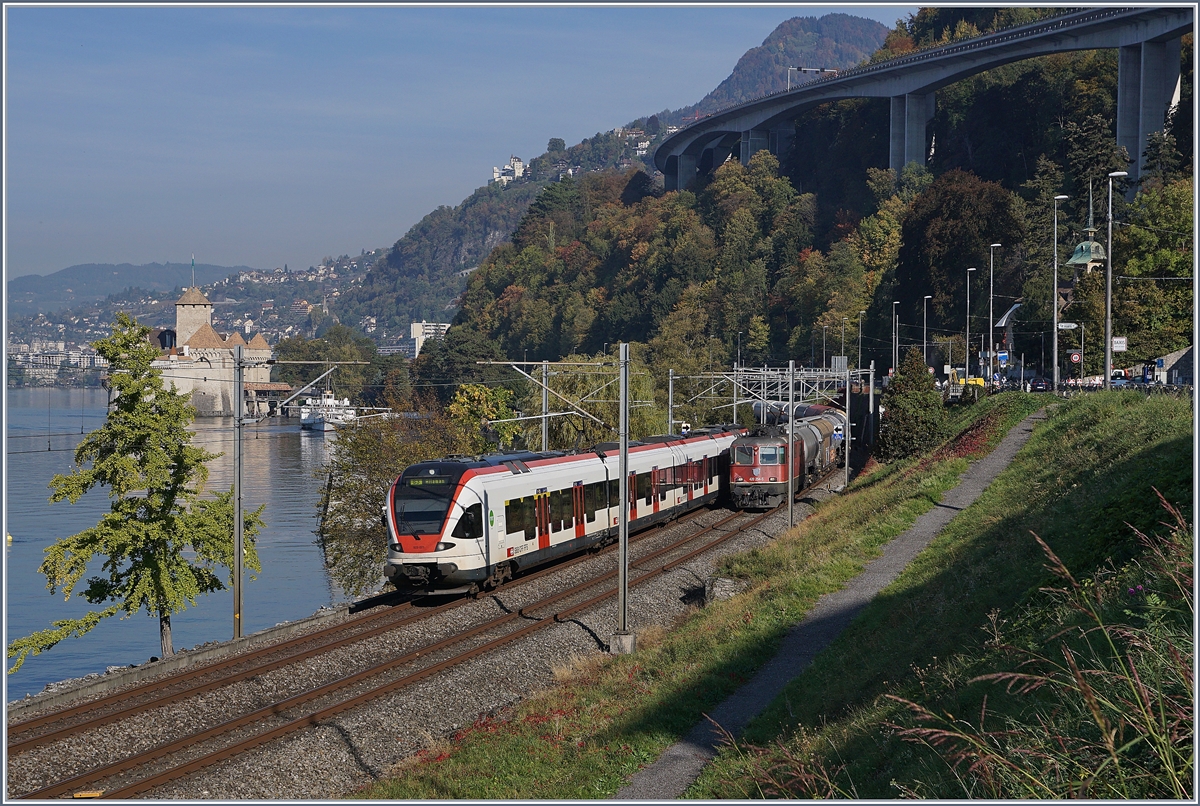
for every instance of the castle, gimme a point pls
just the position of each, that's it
(202, 363)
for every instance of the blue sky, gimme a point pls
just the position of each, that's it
(271, 135)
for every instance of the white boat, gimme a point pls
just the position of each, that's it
(326, 413)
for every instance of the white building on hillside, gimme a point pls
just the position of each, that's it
(515, 169)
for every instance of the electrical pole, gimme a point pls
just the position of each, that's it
(623, 640)
(791, 459)
(670, 401)
(238, 521)
(545, 405)
(848, 437)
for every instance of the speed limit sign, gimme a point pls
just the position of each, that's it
(1075, 358)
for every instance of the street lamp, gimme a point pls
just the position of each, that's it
(991, 316)
(1054, 297)
(925, 328)
(895, 338)
(860, 316)
(824, 330)
(967, 360)
(1108, 336)
(844, 318)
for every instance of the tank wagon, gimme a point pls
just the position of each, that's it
(462, 524)
(761, 461)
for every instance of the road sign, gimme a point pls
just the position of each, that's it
(1067, 325)
(1076, 358)
(1120, 344)
(1002, 357)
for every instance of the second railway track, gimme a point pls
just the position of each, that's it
(210, 742)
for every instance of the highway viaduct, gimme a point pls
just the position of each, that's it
(1148, 40)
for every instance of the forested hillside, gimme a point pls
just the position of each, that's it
(421, 276)
(782, 258)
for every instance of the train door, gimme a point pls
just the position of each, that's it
(633, 502)
(579, 506)
(658, 487)
(704, 471)
(542, 504)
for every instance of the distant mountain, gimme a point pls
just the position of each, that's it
(91, 282)
(425, 271)
(836, 41)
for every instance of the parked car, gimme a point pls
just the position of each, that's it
(1039, 385)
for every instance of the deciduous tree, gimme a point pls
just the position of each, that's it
(161, 545)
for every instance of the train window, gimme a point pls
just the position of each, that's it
(593, 500)
(643, 487)
(768, 455)
(560, 510)
(519, 517)
(743, 454)
(614, 493)
(783, 455)
(470, 525)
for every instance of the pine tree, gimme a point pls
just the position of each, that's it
(914, 419)
(143, 454)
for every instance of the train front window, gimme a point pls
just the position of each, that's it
(421, 504)
(743, 454)
(768, 455)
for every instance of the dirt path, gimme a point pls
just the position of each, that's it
(675, 770)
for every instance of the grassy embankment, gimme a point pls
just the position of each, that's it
(970, 606)
(586, 736)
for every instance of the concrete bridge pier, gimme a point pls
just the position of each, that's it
(715, 155)
(1148, 85)
(910, 117)
(754, 140)
(680, 170)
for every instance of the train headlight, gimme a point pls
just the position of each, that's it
(396, 547)
(443, 546)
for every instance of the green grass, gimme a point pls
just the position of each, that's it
(584, 737)
(1077, 483)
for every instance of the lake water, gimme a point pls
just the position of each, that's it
(280, 466)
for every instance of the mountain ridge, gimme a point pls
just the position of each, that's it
(29, 294)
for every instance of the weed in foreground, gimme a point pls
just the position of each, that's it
(1113, 711)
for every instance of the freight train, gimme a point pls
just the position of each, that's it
(464, 524)
(760, 461)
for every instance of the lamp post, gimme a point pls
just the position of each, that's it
(1054, 298)
(844, 318)
(824, 361)
(967, 360)
(895, 338)
(925, 328)
(860, 316)
(991, 315)
(1108, 336)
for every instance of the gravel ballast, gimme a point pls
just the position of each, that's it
(359, 746)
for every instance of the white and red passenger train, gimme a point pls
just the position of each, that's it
(761, 460)
(461, 524)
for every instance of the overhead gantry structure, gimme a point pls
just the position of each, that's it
(1148, 40)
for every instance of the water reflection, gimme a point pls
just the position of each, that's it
(280, 467)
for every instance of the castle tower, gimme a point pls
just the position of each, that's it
(192, 312)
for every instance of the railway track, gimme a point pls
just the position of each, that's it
(58, 724)
(140, 772)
